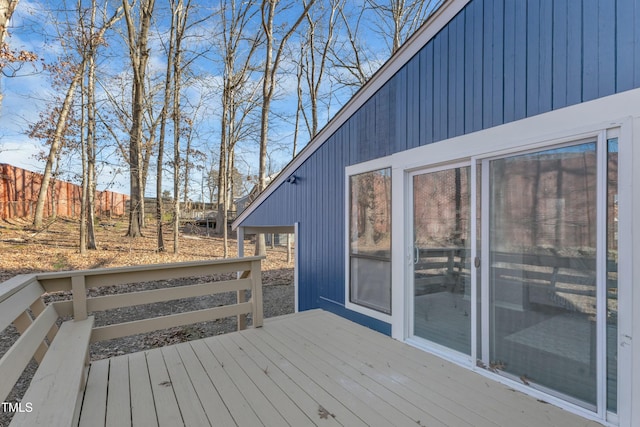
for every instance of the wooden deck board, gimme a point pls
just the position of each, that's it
(450, 382)
(166, 403)
(143, 407)
(410, 395)
(95, 395)
(238, 407)
(261, 376)
(305, 398)
(119, 399)
(380, 399)
(268, 415)
(443, 401)
(301, 380)
(311, 368)
(214, 407)
(352, 394)
(480, 393)
(193, 413)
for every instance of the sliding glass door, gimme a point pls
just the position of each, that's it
(441, 257)
(542, 268)
(543, 228)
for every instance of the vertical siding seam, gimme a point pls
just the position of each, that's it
(582, 55)
(553, 27)
(504, 7)
(526, 58)
(615, 47)
(482, 44)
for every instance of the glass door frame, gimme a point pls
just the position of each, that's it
(420, 342)
(482, 330)
(480, 308)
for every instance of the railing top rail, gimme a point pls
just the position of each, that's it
(61, 280)
(13, 285)
(146, 267)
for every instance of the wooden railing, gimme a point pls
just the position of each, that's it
(249, 278)
(21, 304)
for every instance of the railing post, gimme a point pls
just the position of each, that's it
(79, 293)
(242, 318)
(256, 293)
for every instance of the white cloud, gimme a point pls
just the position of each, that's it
(20, 153)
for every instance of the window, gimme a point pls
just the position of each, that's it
(370, 240)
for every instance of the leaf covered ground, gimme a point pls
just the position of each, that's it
(24, 249)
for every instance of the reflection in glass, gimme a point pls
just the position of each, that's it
(542, 249)
(612, 275)
(370, 239)
(442, 283)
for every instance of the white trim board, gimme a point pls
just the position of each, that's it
(372, 165)
(437, 21)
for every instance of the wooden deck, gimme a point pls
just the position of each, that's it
(311, 368)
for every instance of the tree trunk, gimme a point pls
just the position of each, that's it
(55, 146)
(139, 55)
(7, 8)
(163, 124)
(91, 139)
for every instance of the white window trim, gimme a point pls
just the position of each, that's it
(373, 165)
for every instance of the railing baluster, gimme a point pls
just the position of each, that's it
(79, 292)
(256, 293)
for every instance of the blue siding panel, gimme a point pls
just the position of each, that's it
(497, 61)
(411, 72)
(574, 52)
(546, 56)
(520, 90)
(606, 49)
(398, 86)
(456, 77)
(439, 87)
(509, 61)
(426, 95)
(474, 18)
(626, 29)
(560, 20)
(493, 59)
(533, 57)
(590, 50)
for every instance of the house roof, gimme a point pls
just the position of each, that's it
(436, 22)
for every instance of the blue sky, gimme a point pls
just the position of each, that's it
(26, 95)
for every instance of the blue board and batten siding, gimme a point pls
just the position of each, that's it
(496, 62)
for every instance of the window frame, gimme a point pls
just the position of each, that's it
(350, 171)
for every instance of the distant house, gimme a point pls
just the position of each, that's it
(479, 198)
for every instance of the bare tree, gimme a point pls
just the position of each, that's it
(238, 96)
(349, 57)
(92, 38)
(138, 36)
(397, 20)
(55, 144)
(274, 50)
(161, 141)
(7, 7)
(315, 48)
(271, 66)
(78, 73)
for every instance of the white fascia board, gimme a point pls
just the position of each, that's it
(436, 22)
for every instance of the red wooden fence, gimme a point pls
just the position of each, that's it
(19, 192)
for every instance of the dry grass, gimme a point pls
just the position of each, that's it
(24, 249)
